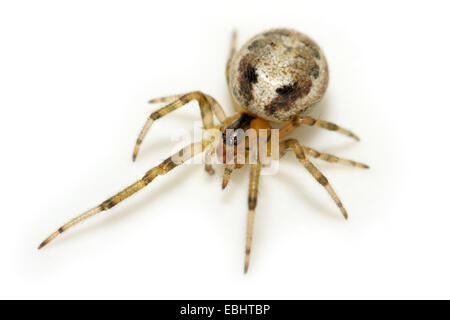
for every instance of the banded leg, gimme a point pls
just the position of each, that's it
(166, 99)
(231, 54)
(205, 110)
(215, 106)
(299, 152)
(170, 163)
(331, 158)
(252, 199)
(304, 120)
(208, 161)
(227, 174)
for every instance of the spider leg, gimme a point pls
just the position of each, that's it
(218, 112)
(331, 158)
(299, 152)
(166, 99)
(231, 54)
(208, 155)
(304, 120)
(170, 163)
(216, 108)
(227, 173)
(252, 199)
(207, 104)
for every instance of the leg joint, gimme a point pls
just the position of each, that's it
(251, 202)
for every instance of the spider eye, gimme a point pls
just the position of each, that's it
(233, 137)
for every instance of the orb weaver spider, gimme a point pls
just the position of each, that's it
(275, 77)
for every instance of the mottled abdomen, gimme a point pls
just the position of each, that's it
(278, 74)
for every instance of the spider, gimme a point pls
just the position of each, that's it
(275, 77)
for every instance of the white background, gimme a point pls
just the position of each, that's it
(74, 81)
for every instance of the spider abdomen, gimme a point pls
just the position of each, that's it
(278, 74)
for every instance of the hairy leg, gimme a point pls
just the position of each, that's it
(252, 199)
(304, 120)
(299, 152)
(207, 105)
(170, 163)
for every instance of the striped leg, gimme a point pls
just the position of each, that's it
(215, 106)
(227, 174)
(252, 199)
(299, 152)
(167, 99)
(331, 158)
(207, 105)
(167, 165)
(303, 120)
(218, 112)
(208, 161)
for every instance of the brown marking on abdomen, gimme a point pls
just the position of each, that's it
(288, 95)
(247, 77)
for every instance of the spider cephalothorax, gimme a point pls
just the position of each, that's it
(275, 77)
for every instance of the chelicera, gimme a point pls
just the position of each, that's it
(274, 78)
